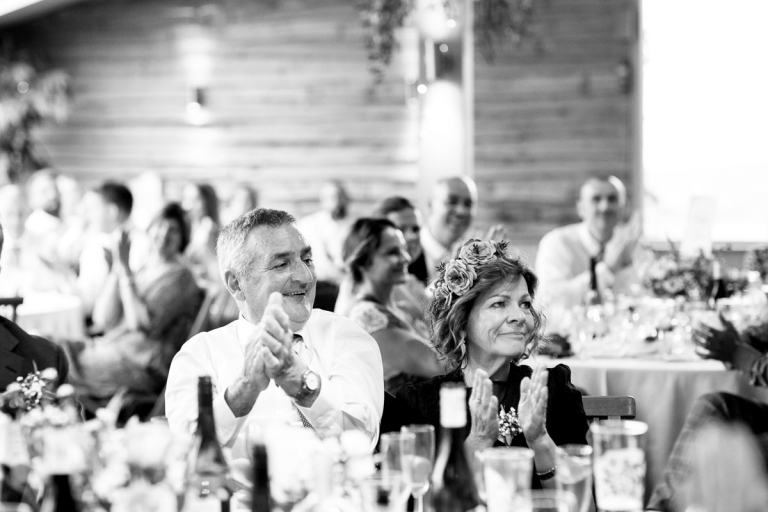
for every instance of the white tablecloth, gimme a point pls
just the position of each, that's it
(51, 315)
(664, 393)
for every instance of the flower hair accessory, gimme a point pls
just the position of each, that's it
(457, 277)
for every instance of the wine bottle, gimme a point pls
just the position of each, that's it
(261, 493)
(206, 486)
(718, 289)
(593, 297)
(453, 483)
(58, 496)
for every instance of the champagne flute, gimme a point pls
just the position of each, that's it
(418, 457)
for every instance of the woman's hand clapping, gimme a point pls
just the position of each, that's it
(484, 412)
(532, 409)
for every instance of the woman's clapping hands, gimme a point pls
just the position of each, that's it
(532, 410)
(484, 413)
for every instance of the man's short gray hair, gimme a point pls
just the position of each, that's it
(231, 248)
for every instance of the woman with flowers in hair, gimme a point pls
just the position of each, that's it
(376, 259)
(484, 322)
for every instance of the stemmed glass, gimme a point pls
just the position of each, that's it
(418, 454)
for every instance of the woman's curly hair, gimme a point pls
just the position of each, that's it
(449, 311)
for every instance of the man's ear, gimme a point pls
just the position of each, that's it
(232, 283)
(580, 207)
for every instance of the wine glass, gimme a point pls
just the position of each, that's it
(418, 456)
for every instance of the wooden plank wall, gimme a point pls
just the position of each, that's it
(293, 104)
(289, 93)
(551, 112)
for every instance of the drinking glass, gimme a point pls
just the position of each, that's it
(418, 457)
(507, 471)
(548, 500)
(391, 452)
(574, 473)
(385, 492)
(291, 452)
(619, 465)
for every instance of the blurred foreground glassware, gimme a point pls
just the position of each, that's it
(548, 500)
(385, 492)
(418, 458)
(391, 450)
(291, 452)
(506, 472)
(574, 473)
(619, 465)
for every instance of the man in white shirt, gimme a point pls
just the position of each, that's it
(452, 208)
(108, 208)
(563, 258)
(330, 377)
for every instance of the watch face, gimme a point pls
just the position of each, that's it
(312, 381)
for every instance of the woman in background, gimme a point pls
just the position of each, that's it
(148, 314)
(375, 255)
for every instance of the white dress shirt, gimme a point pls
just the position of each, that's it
(434, 251)
(345, 357)
(562, 265)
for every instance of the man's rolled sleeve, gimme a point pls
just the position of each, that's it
(352, 395)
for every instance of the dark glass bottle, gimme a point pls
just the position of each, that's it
(206, 488)
(58, 496)
(453, 483)
(718, 289)
(593, 297)
(261, 493)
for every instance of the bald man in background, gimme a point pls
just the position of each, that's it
(563, 258)
(452, 208)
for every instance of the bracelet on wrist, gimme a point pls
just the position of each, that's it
(548, 474)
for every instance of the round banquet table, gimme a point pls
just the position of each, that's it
(664, 394)
(52, 314)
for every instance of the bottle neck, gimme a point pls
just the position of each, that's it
(593, 274)
(206, 426)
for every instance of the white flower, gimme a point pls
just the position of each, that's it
(368, 316)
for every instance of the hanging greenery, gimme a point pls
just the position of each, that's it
(380, 19)
(496, 21)
(27, 99)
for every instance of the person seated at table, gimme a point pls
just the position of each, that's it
(200, 202)
(325, 231)
(108, 208)
(242, 198)
(564, 254)
(22, 354)
(411, 295)
(377, 259)
(484, 322)
(452, 208)
(14, 259)
(746, 351)
(147, 315)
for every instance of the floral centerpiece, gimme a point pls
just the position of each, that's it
(672, 275)
(757, 260)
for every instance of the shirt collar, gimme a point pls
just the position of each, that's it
(591, 244)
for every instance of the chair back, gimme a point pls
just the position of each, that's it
(610, 407)
(13, 303)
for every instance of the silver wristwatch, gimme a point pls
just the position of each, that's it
(310, 382)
